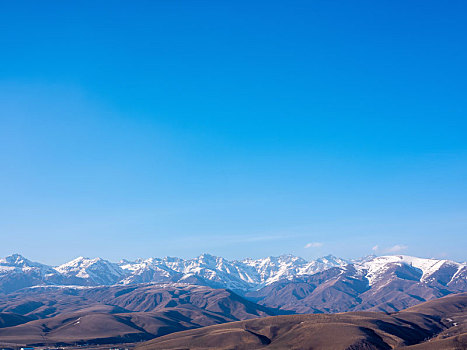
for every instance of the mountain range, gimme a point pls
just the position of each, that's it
(327, 284)
(100, 302)
(247, 274)
(386, 283)
(17, 272)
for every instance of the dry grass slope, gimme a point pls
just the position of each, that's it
(117, 314)
(438, 324)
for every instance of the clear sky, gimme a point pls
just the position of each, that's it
(239, 128)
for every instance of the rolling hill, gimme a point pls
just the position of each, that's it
(439, 324)
(69, 315)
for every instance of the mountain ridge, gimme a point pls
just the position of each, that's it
(239, 275)
(146, 298)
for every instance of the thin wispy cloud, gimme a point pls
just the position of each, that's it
(396, 248)
(313, 245)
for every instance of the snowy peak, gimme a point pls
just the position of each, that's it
(218, 272)
(208, 259)
(95, 271)
(321, 264)
(332, 260)
(146, 271)
(17, 272)
(273, 269)
(15, 260)
(19, 263)
(430, 270)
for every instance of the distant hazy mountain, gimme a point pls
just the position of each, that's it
(327, 284)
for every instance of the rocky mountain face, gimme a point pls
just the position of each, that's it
(328, 284)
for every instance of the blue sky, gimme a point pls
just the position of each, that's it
(238, 128)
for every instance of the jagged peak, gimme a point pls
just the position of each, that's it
(207, 256)
(82, 262)
(15, 258)
(19, 260)
(246, 274)
(331, 258)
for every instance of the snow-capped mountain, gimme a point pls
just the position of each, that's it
(145, 271)
(16, 262)
(84, 271)
(273, 269)
(430, 270)
(206, 269)
(17, 272)
(243, 276)
(215, 271)
(321, 264)
(385, 283)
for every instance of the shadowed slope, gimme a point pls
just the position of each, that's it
(350, 331)
(56, 315)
